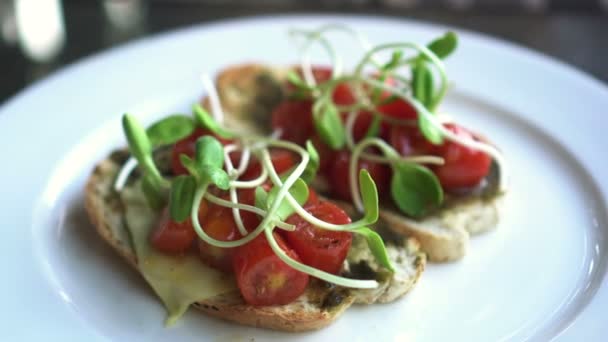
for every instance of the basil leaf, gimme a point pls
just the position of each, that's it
(209, 151)
(376, 246)
(328, 123)
(299, 191)
(445, 45)
(369, 197)
(313, 163)
(415, 189)
(153, 193)
(138, 141)
(215, 175)
(170, 130)
(206, 121)
(261, 198)
(181, 197)
(430, 132)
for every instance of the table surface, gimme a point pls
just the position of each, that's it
(575, 37)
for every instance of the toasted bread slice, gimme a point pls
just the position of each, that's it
(320, 305)
(444, 236)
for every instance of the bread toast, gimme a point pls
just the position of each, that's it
(320, 304)
(443, 236)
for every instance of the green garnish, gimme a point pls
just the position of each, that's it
(170, 130)
(376, 246)
(415, 189)
(328, 123)
(313, 164)
(203, 118)
(444, 45)
(141, 149)
(181, 197)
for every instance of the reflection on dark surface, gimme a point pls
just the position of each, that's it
(39, 36)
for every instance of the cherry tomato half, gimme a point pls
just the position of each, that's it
(409, 140)
(281, 159)
(464, 167)
(263, 278)
(320, 248)
(294, 119)
(339, 175)
(219, 224)
(398, 109)
(172, 237)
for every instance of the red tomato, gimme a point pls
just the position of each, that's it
(187, 146)
(313, 198)
(282, 160)
(464, 167)
(339, 175)
(409, 140)
(172, 237)
(294, 119)
(362, 124)
(219, 224)
(398, 109)
(343, 94)
(263, 278)
(325, 153)
(320, 248)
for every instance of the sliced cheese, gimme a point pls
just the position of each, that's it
(178, 280)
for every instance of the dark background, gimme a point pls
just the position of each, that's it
(573, 31)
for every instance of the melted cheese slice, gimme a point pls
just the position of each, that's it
(178, 280)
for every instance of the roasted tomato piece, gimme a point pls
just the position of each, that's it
(409, 140)
(263, 278)
(281, 159)
(294, 119)
(187, 146)
(325, 153)
(398, 109)
(174, 237)
(339, 175)
(464, 167)
(219, 224)
(320, 248)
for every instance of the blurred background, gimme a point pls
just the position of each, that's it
(40, 36)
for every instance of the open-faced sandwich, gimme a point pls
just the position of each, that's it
(294, 193)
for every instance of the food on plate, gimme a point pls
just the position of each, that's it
(283, 200)
(438, 180)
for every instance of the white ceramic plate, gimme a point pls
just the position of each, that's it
(538, 276)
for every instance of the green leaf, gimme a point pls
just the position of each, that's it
(215, 175)
(422, 83)
(376, 246)
(369, 197)
(205, 120)
(299, 191)
(328, 123)
(138, 141)
(141, 147)
(295, 79)
(394, 61)
(153, 193)
(374, 127)
(415, 189)
(313, 164)
(181, 198)
(430, 132)
(189, 164)
(170, 130)
(261, 198)
(445, 45)
(209, 151)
